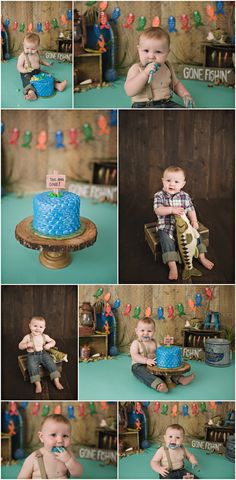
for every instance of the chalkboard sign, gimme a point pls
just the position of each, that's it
(62, 57)
(205, 74)
(210, 446)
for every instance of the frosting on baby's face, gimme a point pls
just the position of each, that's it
(37, 327)
(173, 438)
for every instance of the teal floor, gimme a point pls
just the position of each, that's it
(114, 96)
(113, 380)
(211, 466)
(91, 469)
(97, 264)
(12, 90)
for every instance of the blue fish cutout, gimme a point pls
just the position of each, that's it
(69, 15)
(185, 410)
(7, 23)
(219, 8)
(198, 300)
(96, 30)
(115, 15)
(172, 23)
(113, 118)
(116, 304)
(39, 27)
(160, 313)
(59, 139)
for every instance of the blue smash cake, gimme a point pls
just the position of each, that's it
(56, 215)
(168, 357)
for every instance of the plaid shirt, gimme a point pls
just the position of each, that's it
(164, 199)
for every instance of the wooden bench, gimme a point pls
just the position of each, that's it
(22, 362)
(152, 239)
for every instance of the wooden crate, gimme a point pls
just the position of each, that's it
(107, 439)
(218, 434)
(195, 338)
(98, 343)
(130, 440)
(6, 447)
(152, 238)
(22, 362)
(89, 65)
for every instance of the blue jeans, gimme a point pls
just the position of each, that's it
(156, 104)
(169, 248)
(26, 77)
(141, 372)
(179, 473)
(43, 358)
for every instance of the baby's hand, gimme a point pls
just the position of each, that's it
(177, 210)
(195, 225)
(163, 471)
(30, 345)
(63, 456)
(150, 68)
(47, 346)
(151, 362)
(188, 101)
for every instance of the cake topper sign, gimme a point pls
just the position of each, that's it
(55, 181)
(168, 340)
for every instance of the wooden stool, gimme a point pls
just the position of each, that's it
(22, 362)
(6, 447)
(152, 238)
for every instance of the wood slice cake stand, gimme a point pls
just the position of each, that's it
(168, 372)
(55, 252)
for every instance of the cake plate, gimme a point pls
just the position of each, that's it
(168, 372)
(55, 253)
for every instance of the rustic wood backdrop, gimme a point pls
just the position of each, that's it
(185, 46)
(57, 303)
(83, 428)
(24, 169)
(193, 425)
(201, 142)
(27, 12)
(161, 295)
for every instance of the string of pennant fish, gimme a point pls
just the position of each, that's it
(40, 27)
(193, 305)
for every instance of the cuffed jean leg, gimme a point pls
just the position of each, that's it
(25, 78)
(141, 372)
(177, 473)
(201, 246)
(168, 248)
(33, 367)
(49, 365)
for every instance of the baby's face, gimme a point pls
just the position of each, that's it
(173, 182)
(144, 331)
(152, 50)
(173, 438)
(37, 327)
(30, 47)
(55, 434)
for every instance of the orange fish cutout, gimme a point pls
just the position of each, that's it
(30, 27)
(211, 13)
(191, 305)
(107, 296)
(213, 405)
(57, 410)
(156, 22)
(174, 410)
(63, 20)
(11, 428)
(103, 6)
(107, 328)
(101, 44)
(148, 312)
(42, 140)
(103, 127)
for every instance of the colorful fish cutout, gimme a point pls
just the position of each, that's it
(180, 308)
(108, 312)
(69, 15)
(88, 132)
(185, 410)
(156, 22)
(103, 6)
(191, 305)
(160, 313)
(164, 410)
(42, 140)
(73, 134)
(59, 136)
(92, 408)
(198, 300)
(219, 8)
(103, 125)
(57, 410)
(170, 312)
(129, 21)
(195, 409)
(81, 410)
(14, 135)
(22, 27)
(54, 23)
(209, 293)
(101, 44)
(107, 296)
(137, 312)
(141, 24)
(46, 410)
(15, 26)
(197, 19)
(116, 305)
(156, 407)
(103, 21)
(71, 412)
(35, 409)
(63, 20)
(171, 22)
(30, 27)
(174, 410)
(39, 27)
(211, 13)
(115, 15)
(127, 310)
(148, 312)
(47, 26)
(27, 138)
(184, 19)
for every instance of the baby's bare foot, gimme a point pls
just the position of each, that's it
(162, 388)
(38, 387)
(30, 95)
(58, 384)
(205, 262)
(60, 86)
(173, 271)
(186, 380)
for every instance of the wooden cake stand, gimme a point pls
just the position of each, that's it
(168, 372)
(54, 253)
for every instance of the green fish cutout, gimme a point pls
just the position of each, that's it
(92, 408)
(27, 138)
(88, 132)
(164, 409)
(57, 355)
(90, 4)
(98, 292)
(22, 27)
(137, 311)
(203, 407)
(46, 410)
(54, 23)
(141, 24)
(181, 309)
(197, 19)
(187, 237)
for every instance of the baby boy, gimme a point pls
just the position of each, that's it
(55, 459)
(171, 201)
(168, 461)
(151, 82)
(143, 353)
(37, 343)
(29, 63)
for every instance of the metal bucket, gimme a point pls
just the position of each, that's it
(217, 352)
(230, 448)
